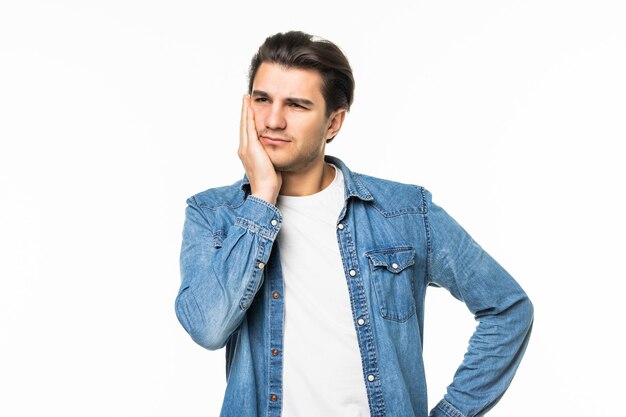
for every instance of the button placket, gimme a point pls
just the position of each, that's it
(275, 360)
(359, 310)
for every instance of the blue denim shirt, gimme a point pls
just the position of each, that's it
(394, 243)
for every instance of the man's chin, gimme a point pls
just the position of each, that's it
(293, 164)
(283, 168)
(281, 165)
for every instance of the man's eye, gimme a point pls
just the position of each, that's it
(261, 99)
(296, 105)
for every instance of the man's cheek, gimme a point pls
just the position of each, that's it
(257, 122)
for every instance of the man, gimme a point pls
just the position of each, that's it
(314, 276)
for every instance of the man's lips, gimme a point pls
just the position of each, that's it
(272, 140)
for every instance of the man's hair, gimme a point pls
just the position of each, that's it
(297, 49)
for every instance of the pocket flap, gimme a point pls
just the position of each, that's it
(394, 259)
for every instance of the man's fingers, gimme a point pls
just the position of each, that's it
(243, 131)
(265, 182)
(252, 135)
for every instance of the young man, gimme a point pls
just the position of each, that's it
(314, 276)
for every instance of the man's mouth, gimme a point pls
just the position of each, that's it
(270, 140)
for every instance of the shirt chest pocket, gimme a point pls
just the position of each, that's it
(392, 276)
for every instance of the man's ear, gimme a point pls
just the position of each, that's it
(335, 121)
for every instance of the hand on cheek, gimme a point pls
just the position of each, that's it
(265, 181)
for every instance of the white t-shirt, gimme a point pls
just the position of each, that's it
(322, 373)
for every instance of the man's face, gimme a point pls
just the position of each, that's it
(289, 113)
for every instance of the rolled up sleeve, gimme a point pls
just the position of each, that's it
(222, 268)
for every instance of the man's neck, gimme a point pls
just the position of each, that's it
(307, 182)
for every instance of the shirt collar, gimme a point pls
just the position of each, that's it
(353, 187)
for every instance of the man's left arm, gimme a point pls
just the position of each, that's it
(503, 311)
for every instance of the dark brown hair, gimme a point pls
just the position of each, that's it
(297, 49)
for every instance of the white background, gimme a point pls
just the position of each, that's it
(112, 113)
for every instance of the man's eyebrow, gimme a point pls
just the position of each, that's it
(300, 101)
(295, 100)
(259, 93)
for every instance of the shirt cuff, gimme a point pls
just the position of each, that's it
(445, 409)
(259, 216)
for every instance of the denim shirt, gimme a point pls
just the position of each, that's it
(394, 243)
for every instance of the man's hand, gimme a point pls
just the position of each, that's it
(265, 181)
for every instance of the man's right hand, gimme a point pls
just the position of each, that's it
(265, 181)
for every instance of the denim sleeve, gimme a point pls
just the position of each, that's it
(502, 309)
(221, 270)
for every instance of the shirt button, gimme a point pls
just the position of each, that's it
(261, 265)
(274, 222)
(360, 322)
(340, 226)
(352, 272)
(275, 295)
(273, 397)
(274, 352)
(394, 265)
(370, 378)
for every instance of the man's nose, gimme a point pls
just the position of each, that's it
(275, 117)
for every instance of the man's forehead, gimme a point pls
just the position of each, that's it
(276, 79)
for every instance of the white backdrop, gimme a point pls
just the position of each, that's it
(112, 113)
